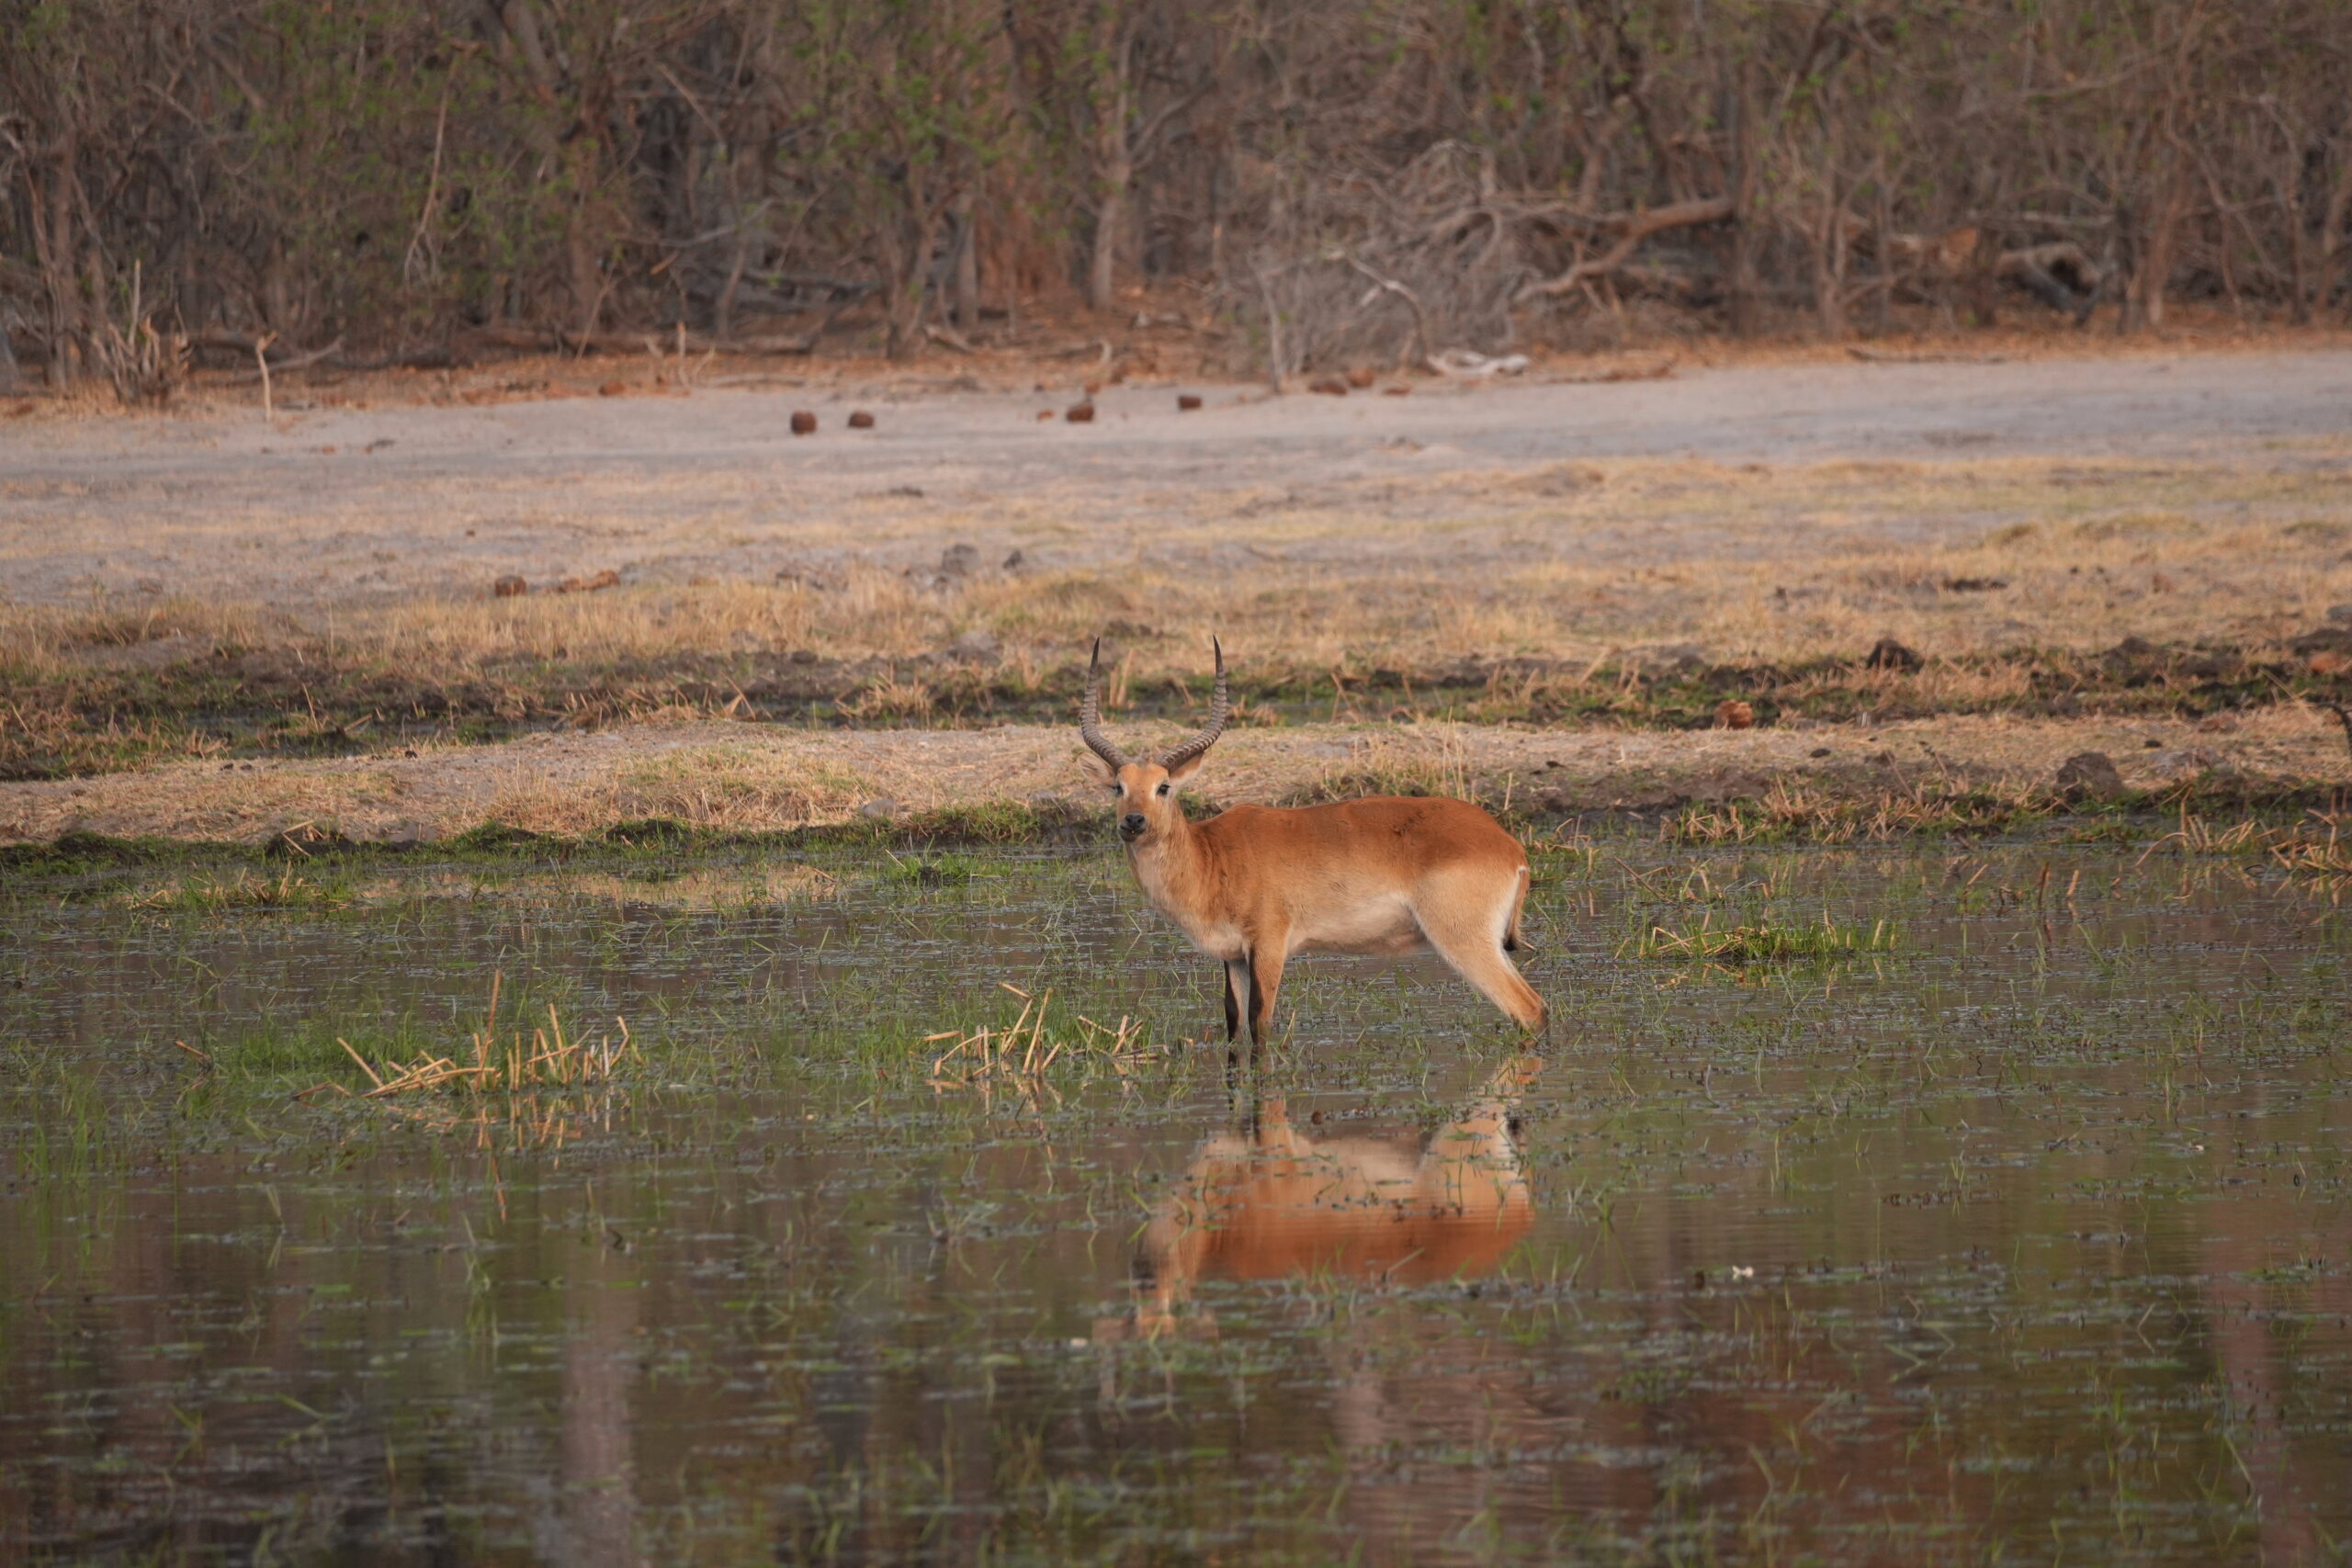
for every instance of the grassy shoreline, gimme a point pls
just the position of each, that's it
(2229, 815)
(88, 723)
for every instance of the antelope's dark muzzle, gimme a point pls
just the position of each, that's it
(1131, 825)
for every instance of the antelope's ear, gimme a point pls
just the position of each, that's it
(1187, 768)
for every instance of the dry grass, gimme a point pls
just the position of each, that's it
(721, 788)
(1776, 564)
(512, 1065)
(1022, 1054)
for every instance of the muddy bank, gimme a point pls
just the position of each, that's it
(230, 704)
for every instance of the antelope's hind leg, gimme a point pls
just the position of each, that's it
(1237, 988)
(1469, 933)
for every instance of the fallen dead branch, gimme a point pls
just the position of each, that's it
(1632, 229)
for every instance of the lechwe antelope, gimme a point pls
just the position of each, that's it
(1385, 874)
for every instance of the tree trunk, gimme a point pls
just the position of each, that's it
(1108, 212)
(52, 212)
(1114, 171)
(1741, 285)
(2332, 241)
(2157, 251)
(968, 266)
(1830, 258)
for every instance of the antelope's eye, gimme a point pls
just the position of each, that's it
(1163, 788)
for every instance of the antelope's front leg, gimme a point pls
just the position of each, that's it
(1266, 960)
(1236, 980)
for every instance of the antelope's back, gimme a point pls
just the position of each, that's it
(1404, 834)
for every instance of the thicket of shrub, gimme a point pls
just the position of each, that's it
(1343, 179)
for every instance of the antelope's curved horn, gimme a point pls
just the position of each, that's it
(1089, 715)
(1219, 705)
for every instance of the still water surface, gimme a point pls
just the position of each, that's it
(2027, 1241)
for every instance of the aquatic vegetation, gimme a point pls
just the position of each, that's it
(1767, 942)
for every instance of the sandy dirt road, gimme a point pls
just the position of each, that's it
(362, 504)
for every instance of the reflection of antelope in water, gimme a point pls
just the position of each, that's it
(1279, 1202)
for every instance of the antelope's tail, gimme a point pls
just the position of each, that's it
(1514, 937)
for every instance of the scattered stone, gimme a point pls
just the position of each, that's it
(1079, 413)
(2181, 763)
(1399, 391)
(1329, 386)
(1187, 401)
(1733, 713)
(1363, 375)
(1889, 654)
(2320, 639)
(607, 578)
(2089, 775)
(879, 810)
(2152, 743)
(860, 418)
(975, 647)
(2134, 650)
(1818, 751)
(2339, 615)
(1015, 561)
(960, 560)
(803, 422)
(612, 389)
(1974, 584)
(2328, 661)
(1564, 478)
(510, 587)
(803, 656)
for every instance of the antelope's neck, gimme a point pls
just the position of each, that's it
(1169, 871)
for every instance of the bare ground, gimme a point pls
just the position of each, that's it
(1727, 517)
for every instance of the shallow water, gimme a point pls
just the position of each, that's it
(2026, 1240)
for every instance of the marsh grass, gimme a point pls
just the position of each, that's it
(921, 870)
(547, 1060)
(1795, 812)
(242, 890)
(1767, 942)
(1024, 1053)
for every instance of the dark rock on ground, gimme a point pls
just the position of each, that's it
(1889, 654)
(2089, 775)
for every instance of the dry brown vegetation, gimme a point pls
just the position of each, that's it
(1633, 591)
